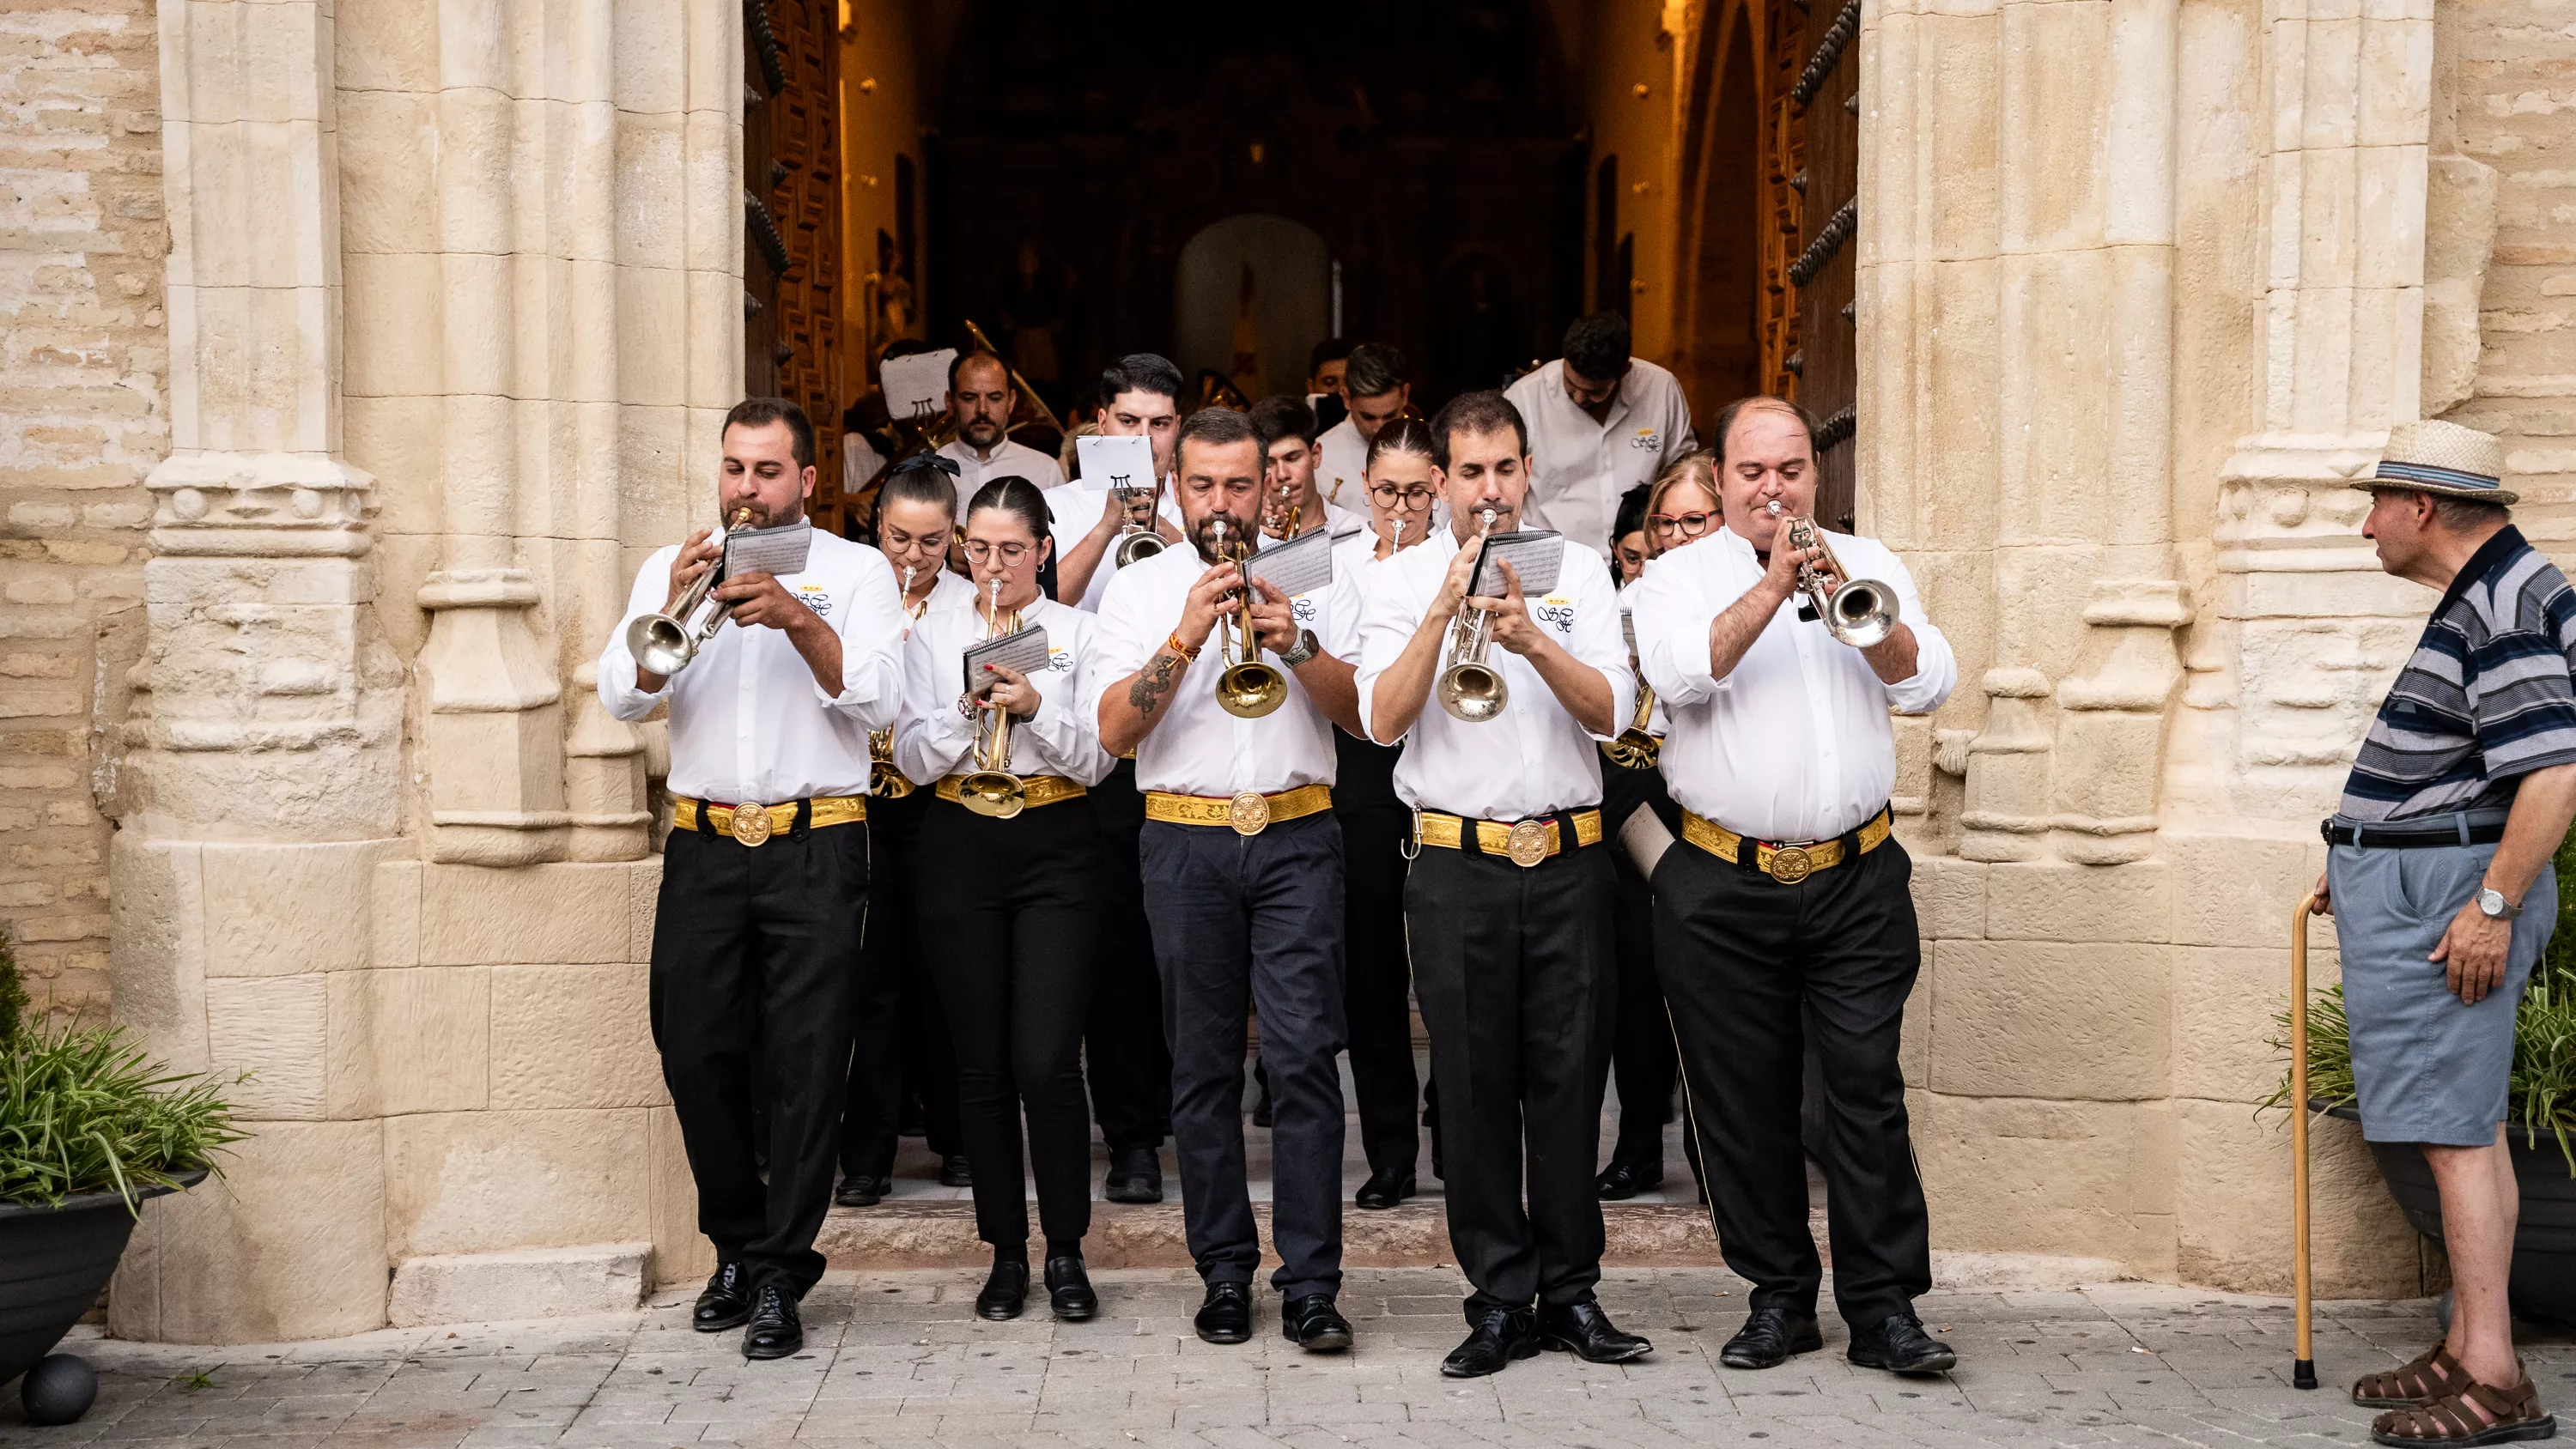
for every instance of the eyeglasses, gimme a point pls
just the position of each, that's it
(1411, 500)
(980, 551)
(1688, 525)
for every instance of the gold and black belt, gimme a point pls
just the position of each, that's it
(753, 824)
(1523, 842)
(1036, 790)
(1249, 813)
(1784, 862)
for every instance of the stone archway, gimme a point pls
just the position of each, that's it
(1257, 280)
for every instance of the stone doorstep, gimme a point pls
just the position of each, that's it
(1150, 1235)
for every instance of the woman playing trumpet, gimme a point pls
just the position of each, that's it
(1009, 888)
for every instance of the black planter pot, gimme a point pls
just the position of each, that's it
(53, 1261)
(2544, 1240)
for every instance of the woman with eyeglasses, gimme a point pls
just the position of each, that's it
(1011, 897)
(1677, 510)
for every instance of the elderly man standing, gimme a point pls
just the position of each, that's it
(2438, 875)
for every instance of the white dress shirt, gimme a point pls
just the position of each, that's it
(1532, 759)
(952, 591)
(1341, 465)
(935, 738)
(860, 463)
(1195, 747)
(748, 723)
(1794, 744)
(1009, 460)
(1580, 467)
(1074, 511)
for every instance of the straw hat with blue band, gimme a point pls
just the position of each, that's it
(2443, 459)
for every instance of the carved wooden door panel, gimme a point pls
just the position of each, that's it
(792, 222)
(1811, 142)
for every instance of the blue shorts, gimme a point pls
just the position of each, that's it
(2429, 1068)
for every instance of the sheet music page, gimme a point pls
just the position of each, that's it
(1296, 566)
(1022, 649)
(1109, 463)
(1534, 553)
(918, 384)
(779, 551)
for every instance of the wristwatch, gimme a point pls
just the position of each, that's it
(2493, 905)
(1306, 647)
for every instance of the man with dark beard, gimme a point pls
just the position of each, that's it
(980, 400)
(1242, 862)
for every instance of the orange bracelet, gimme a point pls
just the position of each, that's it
(1177, 647)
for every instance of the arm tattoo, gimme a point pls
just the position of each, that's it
(1152, 683)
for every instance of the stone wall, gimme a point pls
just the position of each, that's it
(83, 376)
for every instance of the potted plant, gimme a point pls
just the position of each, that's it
(2540, 1114)
(90, 1126)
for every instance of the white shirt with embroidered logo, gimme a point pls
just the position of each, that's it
(935, 738)
(1534, 758)
(748, 722)
(1009, 460)
(1195, 747)
(1795, 743)
(1579, 467)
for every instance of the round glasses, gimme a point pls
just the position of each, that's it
(1411, 500)
(980, 551)
(1688, 525)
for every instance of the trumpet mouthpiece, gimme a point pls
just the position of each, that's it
(1774, 508)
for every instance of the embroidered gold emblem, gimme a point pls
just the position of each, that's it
(751, 823)
(1791, 864)
(1527, 844)
(1249, 814)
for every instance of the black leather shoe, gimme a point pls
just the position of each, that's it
(775, 1330)
(1135, 1175)
(1624, 1180)
(1314, 1324)
(1226, 1316)
(1384, 1190)
(1068, 1286)
(1583, 1330)
(726, 1303)
(1899, 1345)
(861, 1189)
(955, 1172)
(1502, 1335)
(1769, 1336)
(1005, 1289)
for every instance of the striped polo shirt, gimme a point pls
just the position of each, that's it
(2486, 699)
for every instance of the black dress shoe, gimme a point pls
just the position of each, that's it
(1314, 1324)
(1583, 1330)
(1769, 1336)
(1005, 1289)
(1502, 1335)
(1624, 1180)
(1226, 1316)
(954, 1171)
(1135, 1175)
(1899, 1345)
(1384, 1189)
(775, 1330)
(1068, 1286)
(726, 1303)
(862, 1189)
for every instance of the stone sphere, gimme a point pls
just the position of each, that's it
(58, 1390)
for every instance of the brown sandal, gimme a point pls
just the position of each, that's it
(2512, 1415)
(2432, 1374)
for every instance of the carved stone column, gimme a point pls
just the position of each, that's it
(2111, 724)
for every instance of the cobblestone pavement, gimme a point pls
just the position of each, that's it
(897, 1359)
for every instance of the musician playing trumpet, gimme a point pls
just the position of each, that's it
(1008, 887)
(1787, 889)
(765, 873)
(1507, 905)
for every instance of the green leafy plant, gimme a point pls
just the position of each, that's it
(83, 1109)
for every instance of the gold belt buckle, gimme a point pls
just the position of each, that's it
(1527, 843)
(750, 823)
(1249, 813)
(1791, 864)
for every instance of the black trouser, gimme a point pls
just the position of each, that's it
(1124, 1047)
(752, 948)
(1015, 905)
(1378, 986)
(1254, 922)
(901, 1044)
(1739, 953)
(1641, 1049)
(1512, 968)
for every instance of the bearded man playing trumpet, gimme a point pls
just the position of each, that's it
(1507, 904)
(1778, 657)
(1242, 863)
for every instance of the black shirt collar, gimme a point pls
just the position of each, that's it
(2505, 542)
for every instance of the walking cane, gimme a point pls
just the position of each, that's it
(2303, 1368)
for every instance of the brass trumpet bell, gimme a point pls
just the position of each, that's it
(1471, 690)
(1634, 749)
(997, 793)
(664, 644)
(1250, 689)
(1138, 543)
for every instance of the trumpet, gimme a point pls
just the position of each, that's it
(1471, 689)
(664, 644)
(1859, 612)
(1248, 689)
(1135, 540)
(1635, 749)
(992, 789)
(884, 780)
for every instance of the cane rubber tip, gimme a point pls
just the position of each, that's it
(2303, 1373)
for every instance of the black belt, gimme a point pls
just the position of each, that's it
(2405, 837)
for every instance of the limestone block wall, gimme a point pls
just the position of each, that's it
(84, 374)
